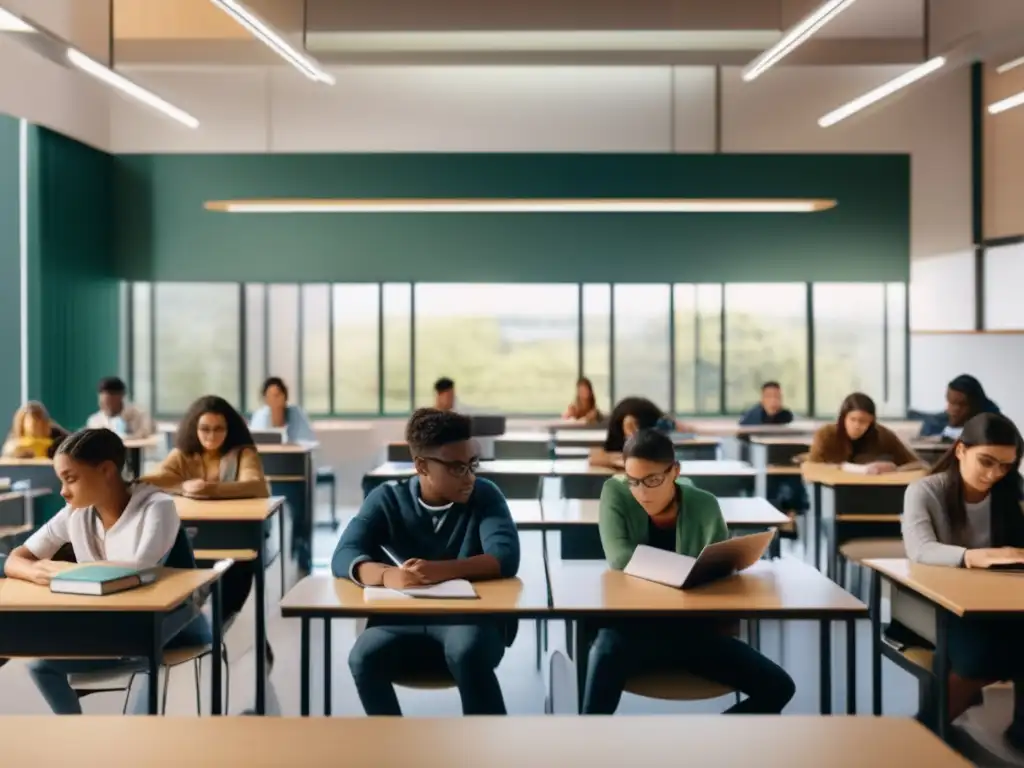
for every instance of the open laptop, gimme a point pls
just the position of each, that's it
(269, 436)
(716, 561)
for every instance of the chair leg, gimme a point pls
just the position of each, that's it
(127, 695)
(167, 687)
(334, 506)
(539, 632)
(197, 669)
(858, 579)
(227, 680)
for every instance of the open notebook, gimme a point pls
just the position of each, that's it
(457, 589)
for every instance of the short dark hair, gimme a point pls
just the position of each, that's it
(770, 385)
(238, 435)
(646, 413)
(650, 445)
(275, 381)
(112, 385)
(93, 447)
(444, 384)
(430, 428)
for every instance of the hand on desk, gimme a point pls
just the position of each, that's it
(984, 558)
(880, 467)
(430, 571)
(401, 578)
(194, 487)
(43, 571)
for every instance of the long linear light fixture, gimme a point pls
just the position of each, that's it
(883, 91)
(11, 23)
(510, 205)
(1008, 103)
(1002, 69)
(273, 39)
(120, 82)
(795, 37)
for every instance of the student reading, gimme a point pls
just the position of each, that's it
(124, 418)
(629, 416)
(583, 408)
(110, 520)
(444, 523)
(278, 413)
(651, 505)
(965, 398)
(215, 458)
(858, 438)
(33, 435)
(967, 514)
(770, 410)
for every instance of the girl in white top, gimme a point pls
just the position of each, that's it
(106, 519)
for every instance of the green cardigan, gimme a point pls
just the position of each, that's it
(624, 523)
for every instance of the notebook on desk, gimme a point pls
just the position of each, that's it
(101, 580)
(456, 589)
(716, 561)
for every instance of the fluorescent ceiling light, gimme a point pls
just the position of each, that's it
(1007, 103)
(1002, 69)
(541, 41)
(795, 37)
(882, 91)
(480, 205)
(11, 23)
(126, 86)
(274, 40)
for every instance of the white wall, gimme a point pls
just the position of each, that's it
(1004, 276)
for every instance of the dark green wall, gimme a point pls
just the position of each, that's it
(74, 295)
(163, 232)
(10, 270)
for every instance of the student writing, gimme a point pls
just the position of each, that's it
(858, 438)
(118, 415)
(965, 398)
(106, 519)
(33, 435)
(652, 505)
(967, 514)
(583, 408)
(278, 413)
(444, 523)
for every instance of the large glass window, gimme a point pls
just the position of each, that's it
(510, 348)
(255, 344)
(316, 348)
(283, 336)
(698, 347)
(597, 342)
(197, 353)
(396, 335)
(356, 348)
(765, 340)
(894, 400)
(142, 349)
(641, 342)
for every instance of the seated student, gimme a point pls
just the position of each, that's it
(105, 519)
(443, 523)
(126, 419)
(629, 416)
(444, 394)
(769, 410)
(33, 435)
(651, 505)
(967, 514)
(278, 413)
(858, 438)
(965, 398)
(215, 458)
(584, 408)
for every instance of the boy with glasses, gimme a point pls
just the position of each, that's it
(443, 523)
(651, 504)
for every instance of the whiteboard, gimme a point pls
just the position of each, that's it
(996, 360)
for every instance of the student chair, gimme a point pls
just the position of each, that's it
(854, 552)
(677, 686)
(326, 476)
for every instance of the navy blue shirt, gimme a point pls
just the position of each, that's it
(757, 416)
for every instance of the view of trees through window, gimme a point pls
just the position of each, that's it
(368, 348)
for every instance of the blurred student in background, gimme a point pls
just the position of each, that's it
(629, 416)
(965, 398)
(584, 407)
(770, 410)
(858, 438)
(278, 413)
(33, 435)
(444, 394)
(116, 414)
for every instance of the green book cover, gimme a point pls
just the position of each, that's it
(97, 573)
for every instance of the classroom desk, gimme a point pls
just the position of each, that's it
(708, 741)
(580, 480)
(240, 524)
(577, 520)
(772, 456)
(590, 593)
(399, 451)
(38, 623)
(952, 592)
(289, 468)
(35, 473)
(518, 479)
(16, 510)
(325, 597)
(136, 447)
(854, 506)
(541, 445)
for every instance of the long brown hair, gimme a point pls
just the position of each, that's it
(985, 429)
(31, 408)
(581, 409)
(238, 434)
(858, 401)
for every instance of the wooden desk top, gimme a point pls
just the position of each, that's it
(827, 474)
(738, 512)
(597, 437)
(287, 447)
(193, 510)
(804, 440)
(141, 443)
(725, 468)
(171, 589)
(785, 588)
(28, 493)
(962, 591)
(778, 470)
(328, 596)
(709, 741)
(6, 462)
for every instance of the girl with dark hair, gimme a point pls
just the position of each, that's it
(216, 458)
(278, 413)
(965, 398)
(629, 416)
(967, 514)
(583, 408)
(106, 519)
(858, 438)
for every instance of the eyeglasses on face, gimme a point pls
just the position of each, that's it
(650, 481)
(457, 468)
